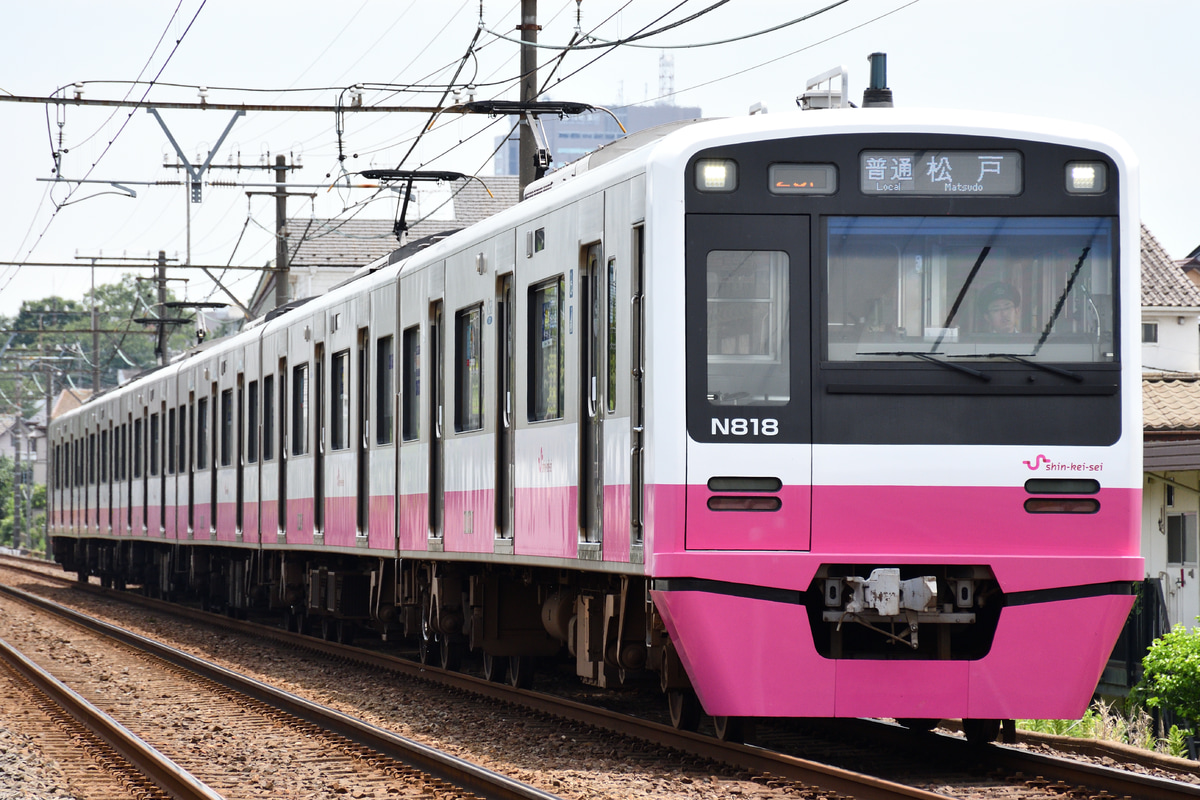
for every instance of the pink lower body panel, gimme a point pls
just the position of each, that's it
(753, 657)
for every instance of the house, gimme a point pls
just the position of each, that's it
(323, 253)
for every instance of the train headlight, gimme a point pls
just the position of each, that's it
(716, 175)
(1086, 177)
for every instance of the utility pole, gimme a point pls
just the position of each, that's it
(281, 232)
(528, 144)
(160, 347)
(17, 484)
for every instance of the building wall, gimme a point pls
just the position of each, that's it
(1170, 544)
(1178, 345)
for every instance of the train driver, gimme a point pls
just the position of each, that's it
(1000, 304)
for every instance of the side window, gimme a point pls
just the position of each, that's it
(300, 410)
(468, 370)
(546, 362)
(339, 406)
(268, 418)
(226, 427)
(137, 448)
(154, 444)
(104, 456)
(411, 406)
(202, 433)
(1181, 539)
(385, 383)
(252, 428)
(183, 439)
(169, 462)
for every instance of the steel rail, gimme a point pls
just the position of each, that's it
(160, 770)
(458, 772)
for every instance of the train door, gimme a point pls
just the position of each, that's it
(239, 489)
(362, 440)
(592, 375)
(284, 453)
(749, 420)
(105, 481)
(637, 404)
(319, 451)
(436, 415)
(193, 454)
(505, 397)
(213, 423)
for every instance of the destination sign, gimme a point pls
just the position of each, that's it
(941, 172)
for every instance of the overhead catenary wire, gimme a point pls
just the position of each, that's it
(58, 206)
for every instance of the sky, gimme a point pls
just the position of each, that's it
(1126, 66)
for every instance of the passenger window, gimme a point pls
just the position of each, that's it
(154, 444)
(546, 362)
(411, 407)
(226, 427)
(268, 418)
(340, 404)
(468, 370)
(201, 433)
(385, 383)
(252, 429)
(300, 410)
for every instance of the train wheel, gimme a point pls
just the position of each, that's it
(494, 667)
(730, 729)
(345, 631)
(921, 724)
(520, 671)
(981, 731)
(451, 652)
(685, 709)
(329, 629)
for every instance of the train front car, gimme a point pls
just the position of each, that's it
(908, 480)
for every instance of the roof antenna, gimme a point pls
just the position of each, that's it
(877, 95)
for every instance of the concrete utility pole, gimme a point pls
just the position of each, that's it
(160, 347)
(17, 485)
(281, 233)
(528, 144)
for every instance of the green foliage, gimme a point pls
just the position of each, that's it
(60, 333)
(1176, 742)
(1171, 676)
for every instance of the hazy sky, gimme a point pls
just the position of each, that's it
(1128, 66)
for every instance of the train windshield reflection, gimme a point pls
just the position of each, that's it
(978, 288)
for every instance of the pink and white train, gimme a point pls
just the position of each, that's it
(826, 414)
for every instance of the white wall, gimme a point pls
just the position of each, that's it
(1180, 581)
(1178, 346)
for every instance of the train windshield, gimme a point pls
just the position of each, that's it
(975, 288)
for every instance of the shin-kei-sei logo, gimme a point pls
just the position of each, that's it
(1037, 462)
(1045, 464)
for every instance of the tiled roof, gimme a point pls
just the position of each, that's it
(1164, 284)
(354, 242)
(1171, 404)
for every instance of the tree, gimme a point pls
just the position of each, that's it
(1172, 673)
(63, 353)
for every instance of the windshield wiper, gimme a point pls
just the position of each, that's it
(1066, 373)
(974, 373)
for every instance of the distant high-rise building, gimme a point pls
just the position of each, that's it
(570, 138)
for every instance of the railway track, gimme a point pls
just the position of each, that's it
(242, 737)
(901, 764)
(101, 757)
